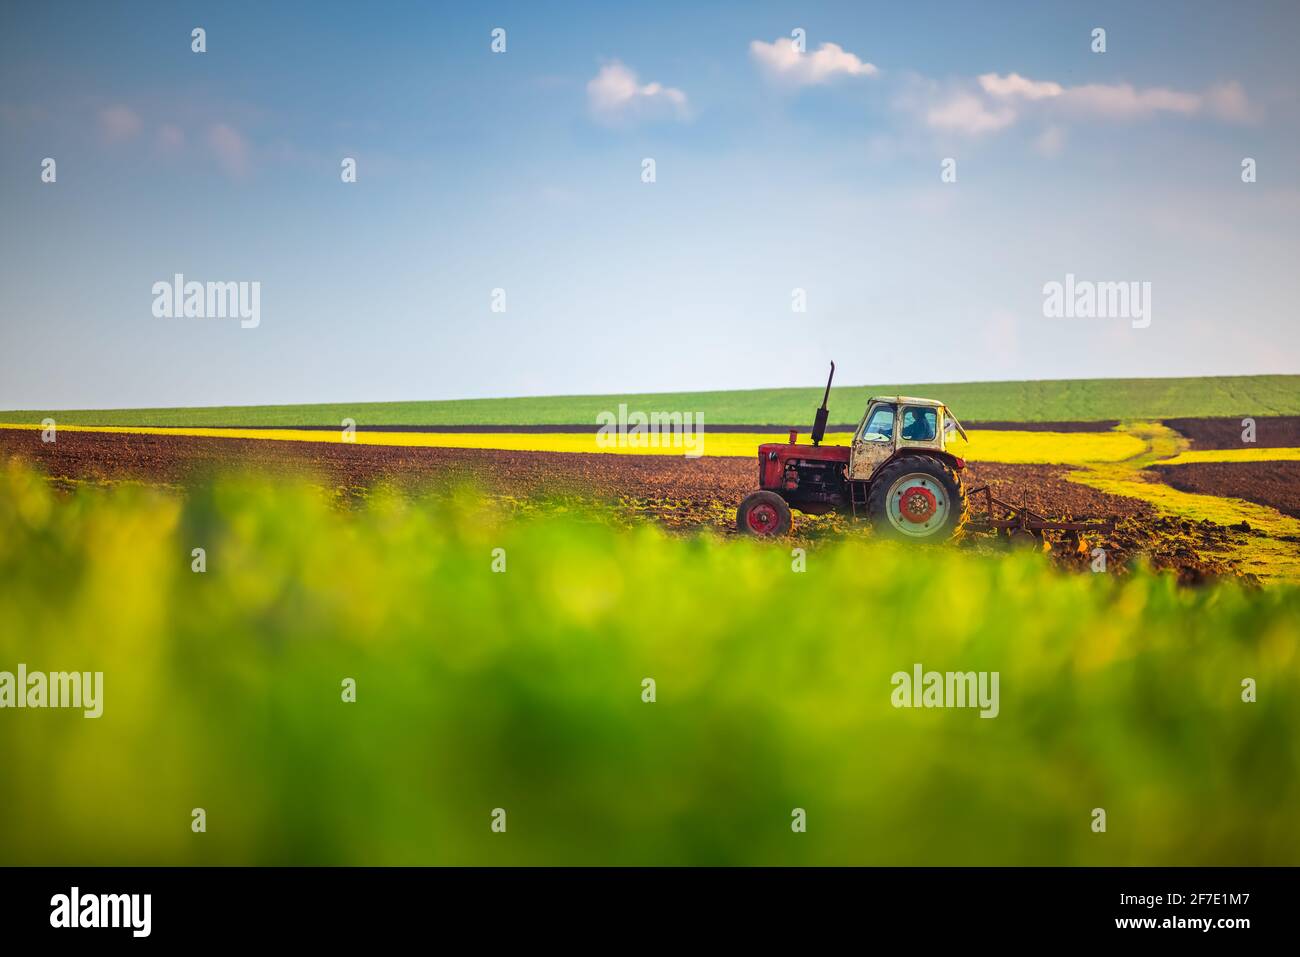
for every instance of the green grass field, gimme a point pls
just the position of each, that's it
(522, 690)
(1072, 400)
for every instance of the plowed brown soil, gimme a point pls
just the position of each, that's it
(1276, 484)
(680, 493)
(1271, 432)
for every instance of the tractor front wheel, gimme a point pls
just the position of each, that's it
(918, 498)
(763, 514)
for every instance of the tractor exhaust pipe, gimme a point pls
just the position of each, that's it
(819, 421)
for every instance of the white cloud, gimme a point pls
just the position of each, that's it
(229, 148)
(615, 95)
(997, 102)
(1013, 84)
(1124, 101)
(1228, 101)
(968, 113)
(119, 123)
(782, 62)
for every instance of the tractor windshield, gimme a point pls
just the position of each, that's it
(880, 424)
(920, 423)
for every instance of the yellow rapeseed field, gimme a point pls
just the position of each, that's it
(1233, 455)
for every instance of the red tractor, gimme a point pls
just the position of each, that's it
(896, 472)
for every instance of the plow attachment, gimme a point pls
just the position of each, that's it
(1021, 523)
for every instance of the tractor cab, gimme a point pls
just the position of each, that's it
(893, 423)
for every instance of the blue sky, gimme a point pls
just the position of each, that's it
(775, 170)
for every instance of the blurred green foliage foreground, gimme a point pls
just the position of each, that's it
(522, 690)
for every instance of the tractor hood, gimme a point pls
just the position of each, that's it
(773, 458)
(773, 451)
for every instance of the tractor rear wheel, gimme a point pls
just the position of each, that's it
(918, 498)
(764, 514)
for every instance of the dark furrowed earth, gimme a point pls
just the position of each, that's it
(1271, 432)
(1276, 484)
(676, 492)
(353, 469)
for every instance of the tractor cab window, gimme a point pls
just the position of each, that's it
(880, 425)
(919, 423)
